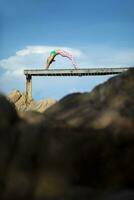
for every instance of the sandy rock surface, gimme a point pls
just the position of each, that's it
(19, 99)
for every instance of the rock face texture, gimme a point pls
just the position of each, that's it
(99, 108)
(82, 147)
(19, 99)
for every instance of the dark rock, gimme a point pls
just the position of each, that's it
(8, 114)
(111, 100)
(81, 148)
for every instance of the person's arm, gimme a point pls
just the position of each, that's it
(47, 64)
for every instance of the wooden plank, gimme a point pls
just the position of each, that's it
(75, 72)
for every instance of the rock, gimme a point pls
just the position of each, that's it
(113, 99)
(40, 106)
(21, 103)
(19, 99)
(80, 148)
(32, 117)
(8, 114)
(120, 195)
(14, 96)
(8, 120)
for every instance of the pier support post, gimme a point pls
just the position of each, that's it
(28, 89)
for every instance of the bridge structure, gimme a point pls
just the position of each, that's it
(66, 72)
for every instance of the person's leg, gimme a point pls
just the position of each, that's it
(49, 61)
(69, 56)
(74, 63)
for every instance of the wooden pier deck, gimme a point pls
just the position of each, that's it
(74, 72)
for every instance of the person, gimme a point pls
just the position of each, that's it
(62, 53)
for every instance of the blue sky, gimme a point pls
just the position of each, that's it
(98, 33)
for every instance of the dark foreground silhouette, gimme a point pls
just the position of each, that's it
(82, 147)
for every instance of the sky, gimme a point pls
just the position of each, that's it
(99, 33)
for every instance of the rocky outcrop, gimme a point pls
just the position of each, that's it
(19, 99)
(81, 148)
(103, 106)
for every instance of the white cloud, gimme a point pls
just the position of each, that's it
(104, 56)
(35, 56)
(45, 50)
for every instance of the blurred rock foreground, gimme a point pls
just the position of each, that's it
(82, 147)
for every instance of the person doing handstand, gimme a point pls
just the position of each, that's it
(63, 53)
